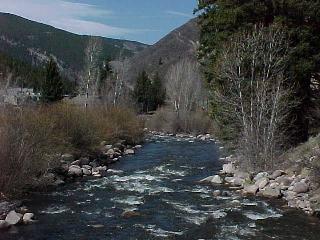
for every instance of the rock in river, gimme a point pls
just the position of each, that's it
(13, 218)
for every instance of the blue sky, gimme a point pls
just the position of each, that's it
(141, 20)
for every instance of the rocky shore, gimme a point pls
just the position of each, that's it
(68, 169)
(296, 190)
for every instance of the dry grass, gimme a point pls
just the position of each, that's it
(30, 138)
(167, 120)
(305, 156)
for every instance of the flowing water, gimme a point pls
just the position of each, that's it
(160, 184)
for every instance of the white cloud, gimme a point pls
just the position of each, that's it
(180, 14)
(69, 16)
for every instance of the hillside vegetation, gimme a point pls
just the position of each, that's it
(33, 42)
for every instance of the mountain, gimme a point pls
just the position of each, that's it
(180, 43)
(34, 42)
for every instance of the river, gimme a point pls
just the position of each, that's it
(160, 184)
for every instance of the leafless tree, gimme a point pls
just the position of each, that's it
(92, 56)
(253, 96)
(184, 85)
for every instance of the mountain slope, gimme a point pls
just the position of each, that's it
(180, 43)
(34, 42)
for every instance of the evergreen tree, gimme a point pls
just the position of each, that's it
(158, 92)
(220, 19)
(142, 91)
(52, 87)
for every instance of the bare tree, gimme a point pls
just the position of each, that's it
(251, 94)
(184, 85)
(92, 56)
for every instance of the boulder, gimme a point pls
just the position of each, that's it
(77, 162)
(129, 152)
(84, 161)
(67, 157)
(206, 180)
(243, 175)
(75, 170)
(229, 180)
(28, 217)
(138, 146)
(228, 168)
(13, 218)
(238, 181)
(4, 224)
(110, 152)
(216, 179)
(216, 193)
(94, 164)
(276, 174)
(251, 189)
(262, 182)
(271, 192)
(260, 175)
(87, 167)
(284, 181)
(59, 182)
(300, 187)
(86, 171)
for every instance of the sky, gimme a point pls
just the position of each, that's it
(145, 21)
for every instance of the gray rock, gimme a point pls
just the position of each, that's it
(216, 179)
(229, 180)
(87, 167)
(129, 152)
(138, 146)
(59, 182)
(228, 168)
(77, 162)
(284, 181)
(67, 157)
(110, 152)
(94, 164)
(75, 170)
(300, 187)
(28, 217)
(251, 189)
(216, 193)
(276, 174)
(4, 224)
(84, 161)
(206, 180)
(271, 192)
(86, 171)
(260, 175)
(13, 218)
(262, 182)
(243, 175)
(238, 181)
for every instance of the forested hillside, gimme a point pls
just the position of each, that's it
(34, 42)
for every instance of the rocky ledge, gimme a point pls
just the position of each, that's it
(297, 190)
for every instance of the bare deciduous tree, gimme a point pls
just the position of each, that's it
(92, 56)
(184, 85)
(251, 94)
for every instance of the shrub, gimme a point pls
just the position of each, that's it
(31, 137)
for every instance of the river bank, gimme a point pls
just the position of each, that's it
(297, 190)
(68, 170)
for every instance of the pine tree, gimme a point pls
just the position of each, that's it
(221, 19)
(52, 87)
(142, 92)
(158, 92)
